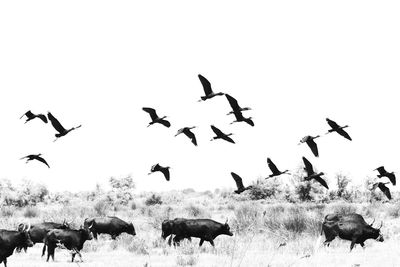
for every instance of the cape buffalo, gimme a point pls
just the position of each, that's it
(205, 229)
(67, 238)
(167, 228)
(9, 240)
(38, 231)
(113, 226)
(349, 227)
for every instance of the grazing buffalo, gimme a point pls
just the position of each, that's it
(349, 227)
(113, 226)
(66, 238)
(39, 231)
(167, 228)
(9, 240)
(205, 229)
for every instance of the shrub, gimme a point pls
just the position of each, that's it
(7, 211)
(31, 212)
(246, 216)
(195, 211)
(153, 200)
(101, 207)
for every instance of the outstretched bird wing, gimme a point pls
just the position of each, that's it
(385, 190)
(381, 170)
(56, 124)
(42, 160)
(308, 167)
(165, 171)
(206, 85)
(272, 167)
(233, 102)
(227, 138)
(152, 112)
(392, 178)
(191, 135)
(42, 117)
(165, 123)
(238, 181)
(313, 146)
(321, 181)
(333, 124)
(343, 133)
(217, 131)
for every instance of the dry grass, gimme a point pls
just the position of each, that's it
(259, 230)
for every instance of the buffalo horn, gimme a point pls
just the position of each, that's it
(372, 222)
(29, 227)
(381, 225)
(90, 226)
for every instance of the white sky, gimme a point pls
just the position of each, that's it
(97, 63)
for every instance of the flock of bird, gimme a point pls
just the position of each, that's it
(237, 112)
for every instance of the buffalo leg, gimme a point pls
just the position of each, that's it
(362, 245)
(201, 242)
(44, 249)
(94, 234)
(5, 262)
(50, 251)
(170, 240)
(353, 242)
(73, 256)
(113, 236)
(211, 242)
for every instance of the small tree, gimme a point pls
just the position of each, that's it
(342, 182)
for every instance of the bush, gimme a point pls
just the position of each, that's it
(7, 211)
(264, 189)
(101, 207)
(153, 200)
(31, 212)
(195, 211)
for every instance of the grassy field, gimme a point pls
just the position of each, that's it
(265, 233)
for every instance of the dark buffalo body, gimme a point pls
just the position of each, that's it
(67, 238)
(38, 231)
(205, 229)
(113, 226)
(9, 240)
(167, 229)
(350, 227)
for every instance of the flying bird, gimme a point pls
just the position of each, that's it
(275, 171)
(187, 131)
(221, 135)
(207, 89)
(239, 117)
(383, 188)
(158, 168)
(35, 157)
(59, 128)
(313, 175)
(155, 119)
(309, 140)
(30, 116)
(336, 128)
(384, 173)
(234, 105)
(239, 183)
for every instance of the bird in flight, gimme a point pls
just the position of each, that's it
(158, 168)
(385, 173)
(30, 116)
(155, 119)
(187, 131)
(383, 188)
(239, 117)
(207, 89)
(35, 157)
(313, 175)
(221, 135)
(309, 140)
(59, 128)
(336, 128)
(234, 105)
(275, 171)
(239, 184)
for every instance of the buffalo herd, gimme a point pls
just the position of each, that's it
(350, 227)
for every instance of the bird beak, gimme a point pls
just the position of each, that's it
(149, 173)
